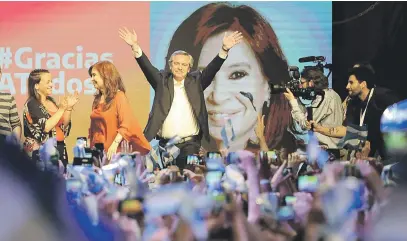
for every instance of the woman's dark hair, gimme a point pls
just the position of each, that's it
(215, 18)
(33, 79)
(112, 81)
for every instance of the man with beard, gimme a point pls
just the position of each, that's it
(365, 107)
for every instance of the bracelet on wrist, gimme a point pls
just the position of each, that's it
(224, 49)
(264, 181)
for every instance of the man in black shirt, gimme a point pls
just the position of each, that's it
(364, 106)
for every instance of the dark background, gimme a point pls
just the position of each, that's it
(379, 36)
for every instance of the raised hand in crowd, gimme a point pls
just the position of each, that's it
(126, 148)
(112, 151)
(259, 130)
(295, 159)
(224, 152)
(302, 206)
(194, 177)
(264, 173)
(278, 177)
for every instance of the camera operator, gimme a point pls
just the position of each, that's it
(365, 106)
(327, 111)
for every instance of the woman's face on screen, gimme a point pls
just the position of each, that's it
(241, 72)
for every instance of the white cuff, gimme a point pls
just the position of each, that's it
(137, 52)
(223, 54)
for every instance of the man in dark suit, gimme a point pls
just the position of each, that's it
(179, 106)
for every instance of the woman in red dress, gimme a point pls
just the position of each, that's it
(112, 120)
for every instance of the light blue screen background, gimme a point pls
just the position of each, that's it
(303, 28)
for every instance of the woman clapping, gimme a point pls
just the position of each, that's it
(43, 117)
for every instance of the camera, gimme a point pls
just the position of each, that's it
(294, 84)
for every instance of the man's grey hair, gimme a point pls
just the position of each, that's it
(182, 52)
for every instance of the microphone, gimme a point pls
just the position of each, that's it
(311, 59)
(328, 66)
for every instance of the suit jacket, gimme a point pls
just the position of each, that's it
(163, 84)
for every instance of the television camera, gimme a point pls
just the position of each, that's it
(294, 83)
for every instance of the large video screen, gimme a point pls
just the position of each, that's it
(68, 37)
(290, 29)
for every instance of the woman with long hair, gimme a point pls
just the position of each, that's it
(251, 67)
(43, 118)
(112, 120)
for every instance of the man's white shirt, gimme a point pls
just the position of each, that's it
(180, 120)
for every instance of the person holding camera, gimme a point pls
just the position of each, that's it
(326, 111)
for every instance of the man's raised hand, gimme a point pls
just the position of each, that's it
(129, 37)
(231, 40)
